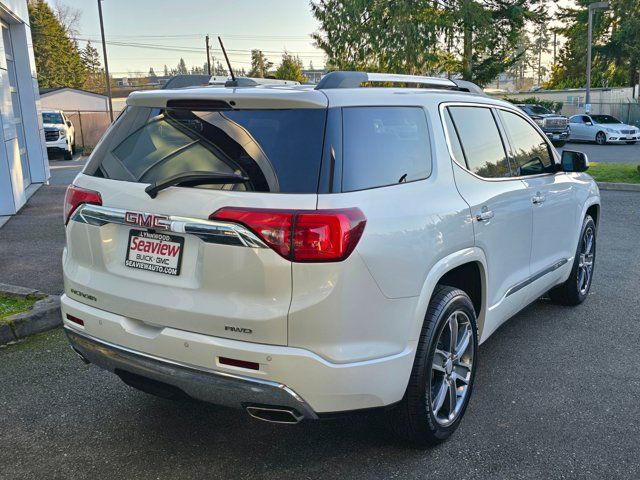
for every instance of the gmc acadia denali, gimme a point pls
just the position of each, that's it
(300, 252)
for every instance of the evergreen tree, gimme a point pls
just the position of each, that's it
(95, 74)
(259, 64)
(166, 71)
(219, 70)
(290, 69)
(181, 69)
(57, 57)
(152, 74)
(474, 38)
(616, 45)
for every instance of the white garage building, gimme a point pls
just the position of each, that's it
(23, 158)
(72, 100)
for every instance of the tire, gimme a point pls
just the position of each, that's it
(576, 288)
(416, 419)
(601, 138)
(68, 155)
(559, 143)
(631, 143)
(73, 147)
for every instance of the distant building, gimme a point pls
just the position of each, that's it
(314, 76)
(23, 158)
(72, 99)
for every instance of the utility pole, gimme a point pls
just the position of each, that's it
(106, 63)
(208, 56)
(555, 46)
(592, 7)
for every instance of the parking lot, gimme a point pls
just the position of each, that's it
(556, 397)
(611, 153)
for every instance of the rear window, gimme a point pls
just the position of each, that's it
(384, 146)
(278, 150)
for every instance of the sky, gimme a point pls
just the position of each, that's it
(177, 28)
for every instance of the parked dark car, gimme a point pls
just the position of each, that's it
(555, 126)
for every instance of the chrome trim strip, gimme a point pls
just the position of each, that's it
(211, 231)
(447, 137)
(109, 356)
(537, 276)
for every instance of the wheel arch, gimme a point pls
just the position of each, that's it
(466, 270)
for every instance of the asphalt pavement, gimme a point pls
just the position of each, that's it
(611, 153)
(556, 397)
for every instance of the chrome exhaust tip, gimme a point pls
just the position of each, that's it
(77, 352)
(284, 415)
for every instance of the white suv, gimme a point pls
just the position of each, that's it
(301, 252)
(59, 133)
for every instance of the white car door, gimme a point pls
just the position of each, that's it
(553, 196)
(576, 125)
(590, 128)
(500, 206)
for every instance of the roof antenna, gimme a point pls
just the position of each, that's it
(233, 82)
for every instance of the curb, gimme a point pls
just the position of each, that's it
(624, 187)
(44, 315)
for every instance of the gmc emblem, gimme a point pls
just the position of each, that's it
(147, 220)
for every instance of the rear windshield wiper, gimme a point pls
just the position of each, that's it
(195, 178)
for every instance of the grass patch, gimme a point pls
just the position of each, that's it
(615, 172)
(12, 305)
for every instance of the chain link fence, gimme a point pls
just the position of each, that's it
(628, 113)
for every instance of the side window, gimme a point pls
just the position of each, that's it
(576, 119)
(456, 148)
(530, 152)
(481, 142)
(384, 146)
(586, 119)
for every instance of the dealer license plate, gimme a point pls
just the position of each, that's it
(155, 252)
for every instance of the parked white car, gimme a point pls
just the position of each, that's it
(602, 129)
(59, 134)
(300, 252)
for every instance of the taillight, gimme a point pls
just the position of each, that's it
(302, 235)
(76, 196)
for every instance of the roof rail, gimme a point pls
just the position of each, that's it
(341, 79)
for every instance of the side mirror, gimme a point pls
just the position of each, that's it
(68, 123)
(574, 161)
(588, 123)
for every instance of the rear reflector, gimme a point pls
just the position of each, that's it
(76, 196)
(239, 363)
(73, 319)
(302, 235)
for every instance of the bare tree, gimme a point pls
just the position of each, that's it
(68, 17)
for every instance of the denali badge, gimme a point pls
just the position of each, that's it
(237, 329)
(148, 220)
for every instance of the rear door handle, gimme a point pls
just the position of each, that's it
(484, 214)
(538, 198)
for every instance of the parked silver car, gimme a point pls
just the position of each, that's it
(602, 129)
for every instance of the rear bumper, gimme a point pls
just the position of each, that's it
(288, 376)
(207, 385)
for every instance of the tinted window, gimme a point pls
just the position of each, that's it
(481, 141)
(576, 119)
(384, 146)
(538, 110)
(530, 152)
(605, 119)
(458, 154)
(51, 117)
(278, 150)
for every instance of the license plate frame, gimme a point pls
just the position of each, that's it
(151, 263)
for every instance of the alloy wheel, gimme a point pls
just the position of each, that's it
(451, 368)
(601, 138)
(585, 262)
